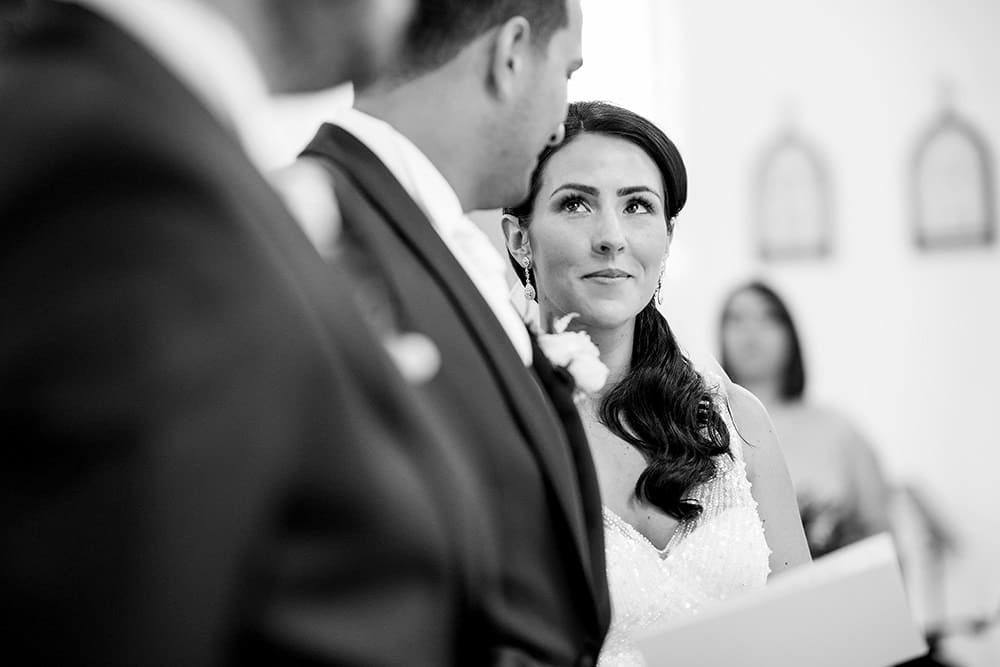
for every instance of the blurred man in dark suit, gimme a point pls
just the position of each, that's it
(208, 458)
(457, 126)
(11, 15)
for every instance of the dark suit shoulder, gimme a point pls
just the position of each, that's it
(70, 93)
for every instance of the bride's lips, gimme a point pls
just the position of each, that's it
(607, 275)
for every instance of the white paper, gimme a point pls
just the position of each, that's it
(847, 609)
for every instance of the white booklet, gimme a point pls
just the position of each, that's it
(847, 609)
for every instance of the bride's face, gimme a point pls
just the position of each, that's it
(598, 233)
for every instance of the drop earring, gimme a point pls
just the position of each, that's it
(658, 295)
(529, 289)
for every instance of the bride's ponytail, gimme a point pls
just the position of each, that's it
(663, 408)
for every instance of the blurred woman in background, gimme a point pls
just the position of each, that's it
(841, 492)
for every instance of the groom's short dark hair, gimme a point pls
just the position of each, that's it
(442, 28)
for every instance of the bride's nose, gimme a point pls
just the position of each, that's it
(608, 238)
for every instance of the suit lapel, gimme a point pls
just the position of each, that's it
(562, 399)
(542, 428)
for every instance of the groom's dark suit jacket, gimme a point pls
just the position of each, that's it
(517, 427)
(207, 458)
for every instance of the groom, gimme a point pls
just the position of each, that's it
(480, 91)
(206, 458)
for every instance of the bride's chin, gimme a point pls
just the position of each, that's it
(601, 318)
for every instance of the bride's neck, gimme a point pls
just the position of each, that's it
(613, 343)
(615, 346)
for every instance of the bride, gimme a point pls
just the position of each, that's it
(698, 504)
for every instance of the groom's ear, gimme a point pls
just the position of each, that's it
(509, 57)
(516, 237)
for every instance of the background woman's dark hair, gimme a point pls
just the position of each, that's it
(662, 406)
(793, 375)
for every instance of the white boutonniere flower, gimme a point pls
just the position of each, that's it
(577, 354)
(570, 351)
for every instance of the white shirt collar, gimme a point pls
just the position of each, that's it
(434, 194)
(411, 167)
(202, 49)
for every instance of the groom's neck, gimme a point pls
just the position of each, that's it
(447, 133)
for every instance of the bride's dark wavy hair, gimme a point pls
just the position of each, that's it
(662, 406)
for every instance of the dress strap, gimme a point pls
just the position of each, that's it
(717, 386)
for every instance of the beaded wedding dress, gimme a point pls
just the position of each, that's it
(719, 554)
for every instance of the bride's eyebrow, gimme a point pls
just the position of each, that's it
(594, 192)
(586, 189)
(622, 192)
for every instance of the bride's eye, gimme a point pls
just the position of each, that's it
(572, 204)
(639, 205)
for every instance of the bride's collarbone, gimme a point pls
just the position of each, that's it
(619, 465)
(650, 521)
(655, 524)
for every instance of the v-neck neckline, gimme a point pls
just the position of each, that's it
(631, 531)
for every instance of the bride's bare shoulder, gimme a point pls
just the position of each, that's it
(749, 413)
(770, 482)
(755, 430)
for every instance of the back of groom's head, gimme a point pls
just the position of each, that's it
(480, 87)
(442, 28)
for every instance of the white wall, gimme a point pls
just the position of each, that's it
(906, 343)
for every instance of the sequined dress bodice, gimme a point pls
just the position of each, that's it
(708, 559)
